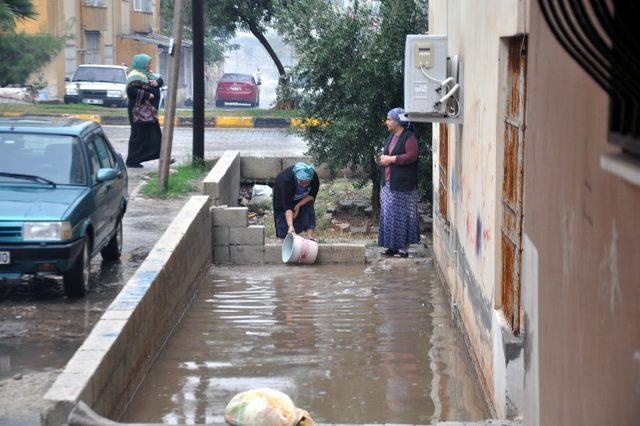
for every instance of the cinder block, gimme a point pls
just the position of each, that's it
(341, 253)
(273, 253)
(221, 255)
(243, 255)
(259, 167)
(230, 217)
(220, 236)
(249, 236)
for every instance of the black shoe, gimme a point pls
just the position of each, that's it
(134, 165)
(403, 254)
(389, 252)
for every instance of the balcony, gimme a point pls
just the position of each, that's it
(93, 18)
(141, 22)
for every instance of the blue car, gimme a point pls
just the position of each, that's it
(63, 193)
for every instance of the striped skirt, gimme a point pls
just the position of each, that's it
(399, 225)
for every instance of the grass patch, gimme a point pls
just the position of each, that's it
(56, 109)
(184, 180)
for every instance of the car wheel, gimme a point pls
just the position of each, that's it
(113, 249)
(219, 104)
(76, 279)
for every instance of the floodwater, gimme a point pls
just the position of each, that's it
(349, 346)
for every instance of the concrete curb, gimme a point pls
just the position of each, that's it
(220, 122)
(107, 369)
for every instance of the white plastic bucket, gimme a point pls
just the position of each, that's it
(296, 249)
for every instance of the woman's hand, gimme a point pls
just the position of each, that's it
(153, 83)
(151, 96)
(386, 160)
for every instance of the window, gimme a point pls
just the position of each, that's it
(94, 162)
(95, 3)
(145, 6)
(443, 167)
(53, 157)
(92, 47)
(105, 156)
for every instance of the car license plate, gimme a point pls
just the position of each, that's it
(92, 101)
(5, 258)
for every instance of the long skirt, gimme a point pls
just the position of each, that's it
(144, 142)
(306, 220)
(399, 224)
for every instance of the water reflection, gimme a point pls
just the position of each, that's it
(347, 346)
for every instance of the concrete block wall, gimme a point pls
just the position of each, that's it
(222, 183)
(267, 168)
(233, 240)
(105, 371)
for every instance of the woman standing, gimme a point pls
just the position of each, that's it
(143, 91)
(294, 195)
(399, 225)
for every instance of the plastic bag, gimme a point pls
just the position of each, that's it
(265, 407)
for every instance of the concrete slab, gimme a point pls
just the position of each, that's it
(260, 167)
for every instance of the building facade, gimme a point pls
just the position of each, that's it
(534, 231)
(103, 32)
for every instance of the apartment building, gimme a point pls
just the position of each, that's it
(103, 32)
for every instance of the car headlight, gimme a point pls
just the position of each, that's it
(46, 231)
(71, 90)
(114, 93)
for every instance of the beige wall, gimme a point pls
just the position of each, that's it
(467, 249)
(584, 265)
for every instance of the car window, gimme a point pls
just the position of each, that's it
(100, 74)
(57, 158)
(242, 78)
(104, 153)
(94, 162)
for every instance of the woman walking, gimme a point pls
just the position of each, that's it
(399, 225)
(143, 91)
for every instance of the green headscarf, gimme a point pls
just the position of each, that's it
(139, 73)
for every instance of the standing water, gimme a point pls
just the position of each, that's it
(347, 346)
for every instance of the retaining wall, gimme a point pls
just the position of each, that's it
(105, 371)
(222, 183)
(235, 242)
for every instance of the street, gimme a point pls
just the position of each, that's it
(40, 329)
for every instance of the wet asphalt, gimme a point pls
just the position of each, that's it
(40, 328)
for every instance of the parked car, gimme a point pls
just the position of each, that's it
(238, 88)
(98, 85)
(63, 193)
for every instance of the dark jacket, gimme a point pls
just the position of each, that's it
(403, 177)
(132, 94)
(285, 189)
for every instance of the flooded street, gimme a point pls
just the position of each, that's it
(348, 346)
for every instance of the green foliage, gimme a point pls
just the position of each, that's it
(23, 54)
(351, 67)
(12, 10)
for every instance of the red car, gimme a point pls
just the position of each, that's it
(238, 88)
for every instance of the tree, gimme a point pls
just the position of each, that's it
(13, 10)
(250, 15)
(22, 54)
(351, 65)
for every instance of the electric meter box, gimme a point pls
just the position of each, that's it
(425, 67)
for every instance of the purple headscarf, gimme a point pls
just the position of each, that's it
(395, 113)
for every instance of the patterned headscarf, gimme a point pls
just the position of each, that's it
(395, 113)
(303, 171)
(139, 73)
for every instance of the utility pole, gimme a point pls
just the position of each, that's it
(170, 108)
(198, 80)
